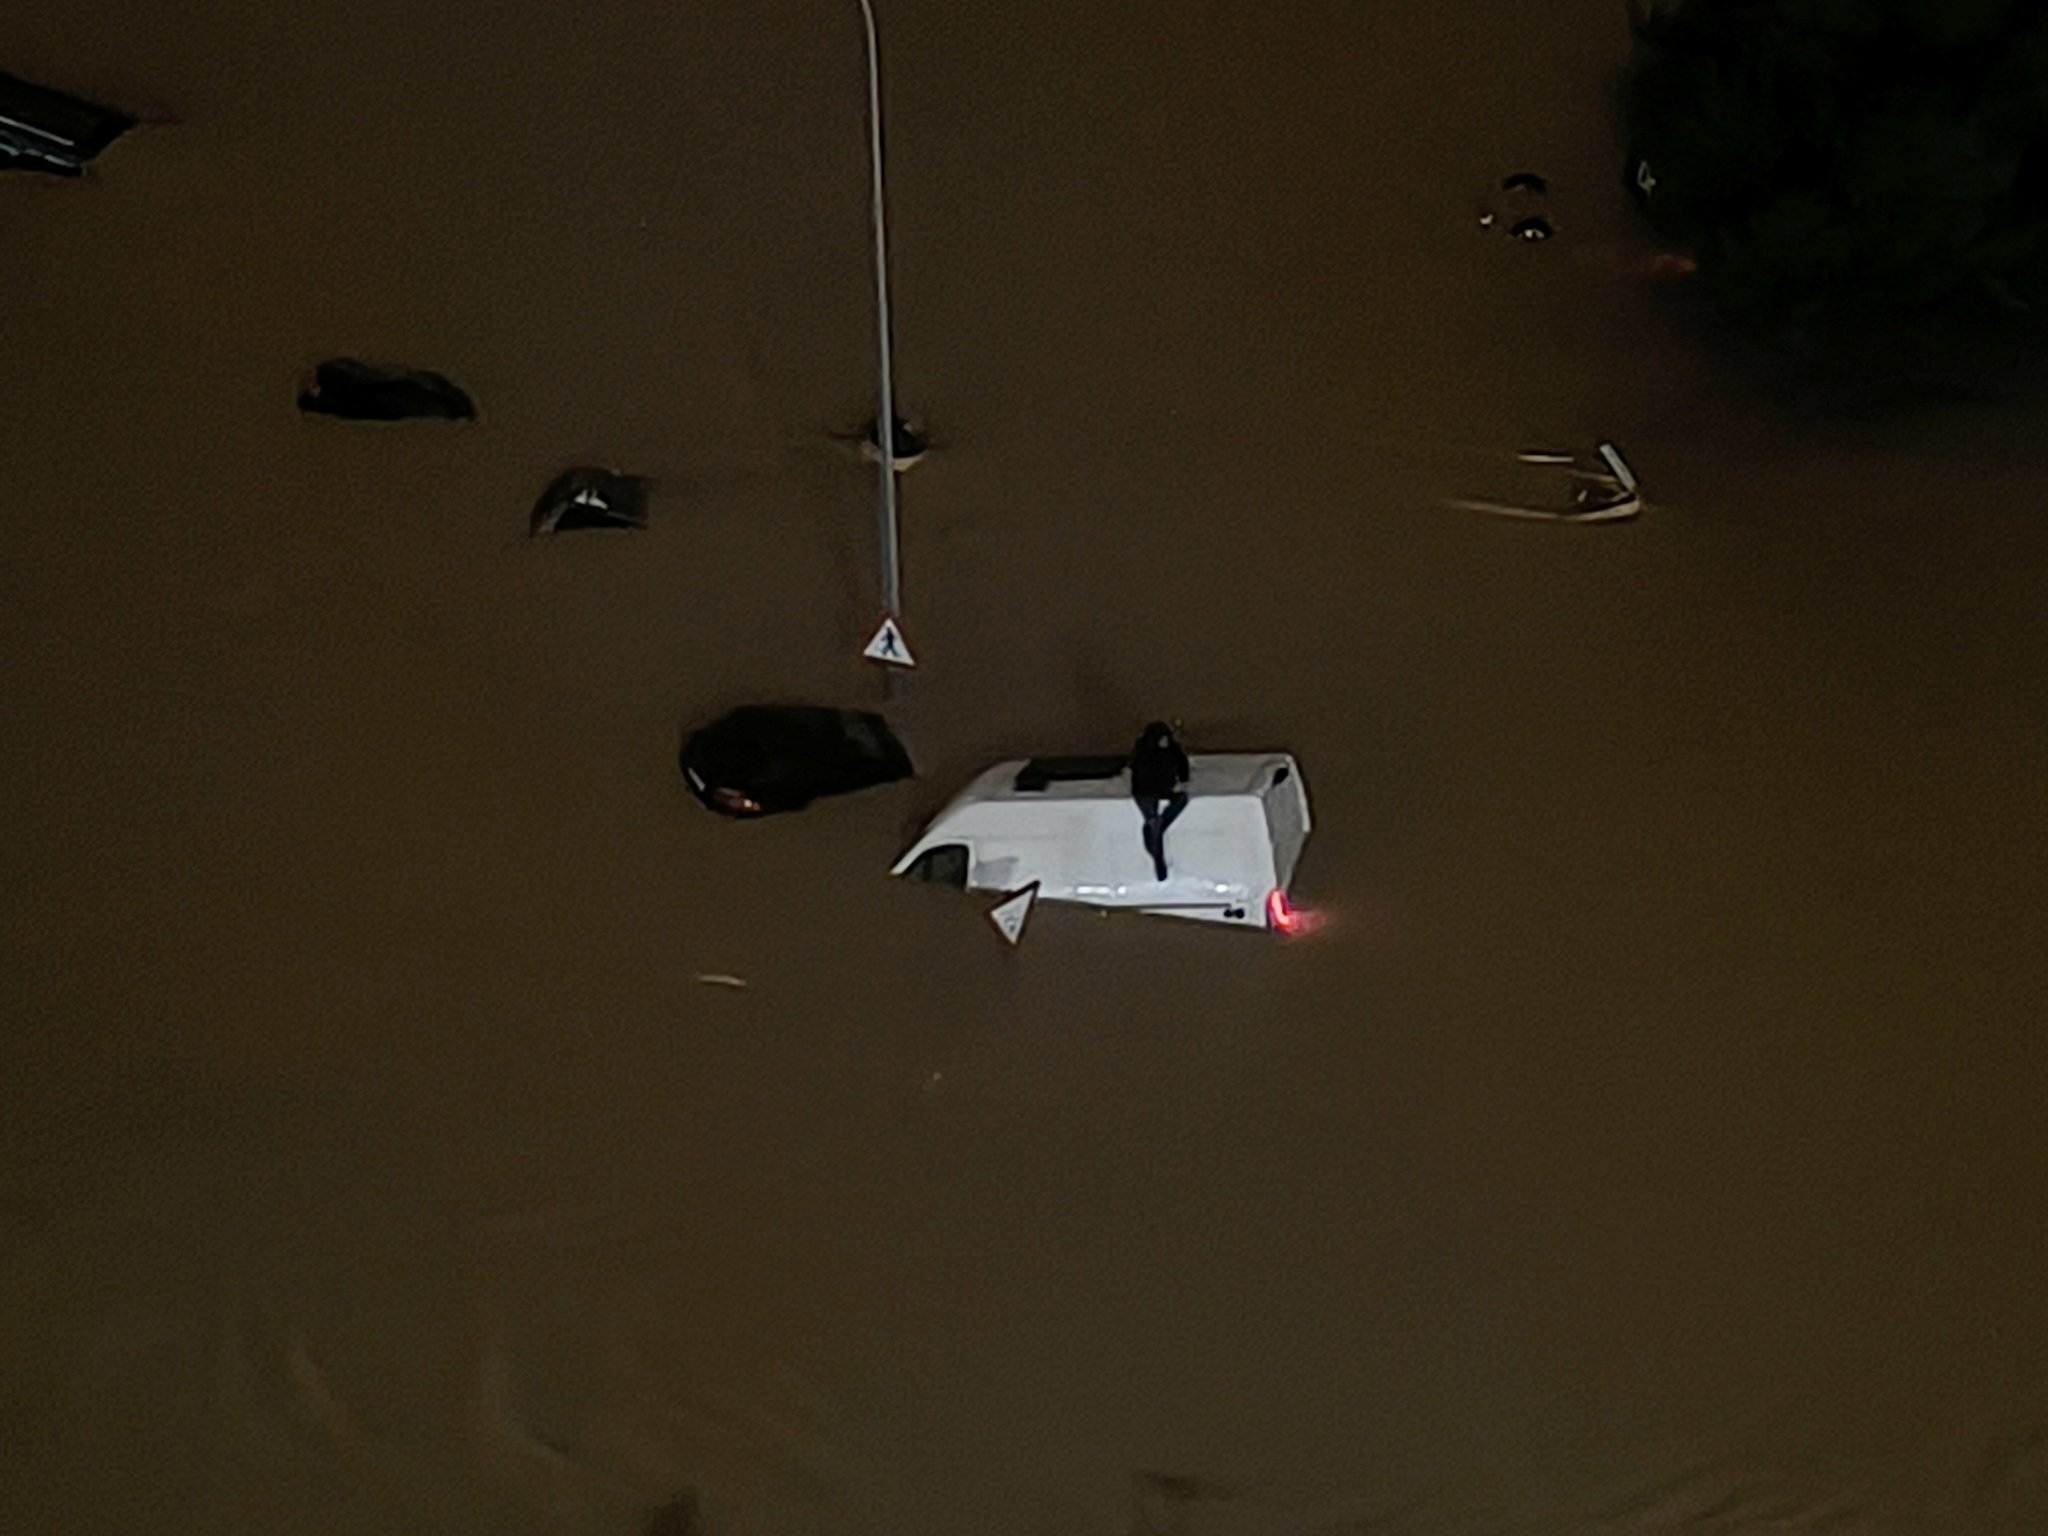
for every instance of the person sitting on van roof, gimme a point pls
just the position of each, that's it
(1159, 779)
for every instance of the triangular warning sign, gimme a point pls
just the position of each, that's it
(889, 645)
(1009, 915)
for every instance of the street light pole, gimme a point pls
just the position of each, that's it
(885, 420)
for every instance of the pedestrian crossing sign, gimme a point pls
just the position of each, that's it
(889, 646)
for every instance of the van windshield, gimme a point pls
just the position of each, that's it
(944, 865)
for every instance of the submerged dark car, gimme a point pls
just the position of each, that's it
(358, 391)
(763, 759)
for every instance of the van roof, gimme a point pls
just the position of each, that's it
(1106, 778)
(1068, 826)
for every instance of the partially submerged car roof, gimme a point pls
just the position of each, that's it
(783, 756)
(46, 130)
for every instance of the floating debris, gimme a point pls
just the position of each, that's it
(680, 1516)
(1163, 1502)
(720, 979)
(1620, 467)
(1524, 190)
(316, 1397)
(584, 497)
(356, 391)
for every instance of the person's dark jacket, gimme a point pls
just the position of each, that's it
(1158, 765)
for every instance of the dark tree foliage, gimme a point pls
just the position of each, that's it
(1849, 174)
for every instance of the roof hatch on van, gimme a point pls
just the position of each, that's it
(1043, 772)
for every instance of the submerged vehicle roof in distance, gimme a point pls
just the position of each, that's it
(46, 130)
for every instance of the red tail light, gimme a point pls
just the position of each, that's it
(1283, 918)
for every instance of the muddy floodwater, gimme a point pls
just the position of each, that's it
(1651, 1139)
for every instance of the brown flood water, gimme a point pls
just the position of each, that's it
(1651, 1142)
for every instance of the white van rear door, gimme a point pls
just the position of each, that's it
(1287, 818)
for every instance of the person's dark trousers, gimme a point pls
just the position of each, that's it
(1160, 814)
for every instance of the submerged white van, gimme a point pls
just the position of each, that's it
(1071, 825)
